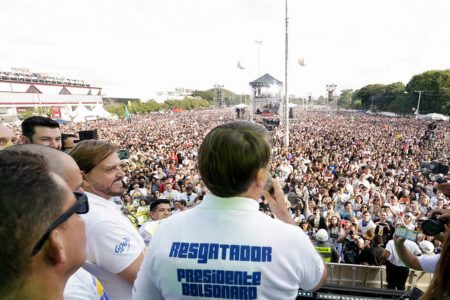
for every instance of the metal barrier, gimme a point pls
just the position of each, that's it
(371, 276)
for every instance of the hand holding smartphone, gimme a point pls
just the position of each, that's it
(406, 233)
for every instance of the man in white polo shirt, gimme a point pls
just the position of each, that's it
(114, 246)
(225, 247)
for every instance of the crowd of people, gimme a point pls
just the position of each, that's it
(349, 180)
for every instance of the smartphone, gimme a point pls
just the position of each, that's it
(269, 185)
(406, 233)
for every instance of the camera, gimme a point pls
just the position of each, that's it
(433, 226)
(434, 167)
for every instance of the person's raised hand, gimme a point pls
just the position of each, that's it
(277, 203)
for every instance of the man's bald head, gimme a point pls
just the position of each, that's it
(58, 161)
(7, 137)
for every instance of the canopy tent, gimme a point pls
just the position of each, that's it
(433, 116)
(387, 114)
(100, 112)
(241, 105)
(80, 114)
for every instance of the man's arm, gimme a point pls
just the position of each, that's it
(322, 280)
(409, 259)
(130, 273)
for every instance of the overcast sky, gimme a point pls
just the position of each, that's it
(136, 47)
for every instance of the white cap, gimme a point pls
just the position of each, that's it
(322, 235)
(427, 247)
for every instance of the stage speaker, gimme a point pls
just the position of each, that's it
(88, 135)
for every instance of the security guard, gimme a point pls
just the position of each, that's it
(325, 248)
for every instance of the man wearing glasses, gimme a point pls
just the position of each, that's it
(114, 246)
(82, 284)
(40, 226)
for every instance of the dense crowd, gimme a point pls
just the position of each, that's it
(349, 179)
(341, 171)
(356, 176)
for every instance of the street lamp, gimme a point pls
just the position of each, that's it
(418, 103)
(259, 57)
(286, 97)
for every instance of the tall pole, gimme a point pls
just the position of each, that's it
(418, 104)
(259, 57)
(286, 98)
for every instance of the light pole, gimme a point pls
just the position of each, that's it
(259, 57)
(418, 103)
(286, 97)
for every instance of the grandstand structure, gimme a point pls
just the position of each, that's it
(22, 90)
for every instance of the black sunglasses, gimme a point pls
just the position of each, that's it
(81, 206)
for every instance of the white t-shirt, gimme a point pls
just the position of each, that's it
(393, 256)
(113, 244)
(369, 226)
(190, 199)
(234, 251)
(82, 285)
(429, 263)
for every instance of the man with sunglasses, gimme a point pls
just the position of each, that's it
(82, 284)
(114, 247)
(39, 227)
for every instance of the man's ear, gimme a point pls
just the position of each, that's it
(24, 140)
(85, 179)
(56, 249)
(261, 177)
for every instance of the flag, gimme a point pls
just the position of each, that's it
(126, 113)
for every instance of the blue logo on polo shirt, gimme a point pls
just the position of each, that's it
(123, 246)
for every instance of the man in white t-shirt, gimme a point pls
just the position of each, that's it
(38, 255)
(225, 247)
(159, 210)
(82, 284)
(366, 224)
(396, 271)
(423, 263)
(189, 196)
(114, 246)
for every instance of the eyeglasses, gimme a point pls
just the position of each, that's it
(81, 206)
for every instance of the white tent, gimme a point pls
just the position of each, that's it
(100, 112)
(292, 105)
(387, 114)
(241, 105)
(434, 116)
(81, 112)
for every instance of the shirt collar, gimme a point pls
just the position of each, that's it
(100, 200)
(238, 203)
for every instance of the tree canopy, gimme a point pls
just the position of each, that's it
(433, 87)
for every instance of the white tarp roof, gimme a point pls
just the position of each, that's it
(387, 113)
(100, 112)
(241, 105)
(80, 113)
(433, 116)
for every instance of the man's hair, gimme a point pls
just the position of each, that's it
(30, 199)
(88, 154)
(29, 125)
(231, 155)
(155, 203)
(183, 202)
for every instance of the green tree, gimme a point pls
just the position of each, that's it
(369, 94)
(345, 99)
(435, 91)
